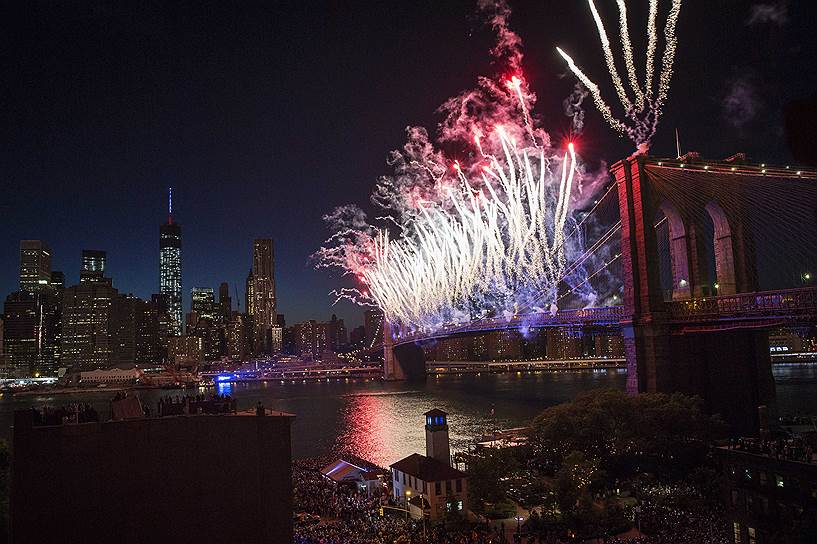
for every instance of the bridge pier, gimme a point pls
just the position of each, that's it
(404, 361)
(730, 370)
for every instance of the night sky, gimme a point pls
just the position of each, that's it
(264, 116)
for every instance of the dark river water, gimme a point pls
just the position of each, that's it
(382, 421)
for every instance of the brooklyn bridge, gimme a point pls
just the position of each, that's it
(712, 256)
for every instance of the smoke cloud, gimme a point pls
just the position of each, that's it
(777, 14)
(741, 103)
(573, 107)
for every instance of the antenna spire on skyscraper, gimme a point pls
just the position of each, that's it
(170, 205)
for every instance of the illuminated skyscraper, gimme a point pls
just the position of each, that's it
(373, 321)
(203, 303)
(249, 296)
(35, 266)
(225, 302)
(93, 265)
(263, 280)
(170, 268)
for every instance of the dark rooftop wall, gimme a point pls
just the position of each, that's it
(174, 479)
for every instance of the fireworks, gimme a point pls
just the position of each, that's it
(643, 112)
(483, 236)
(477, 222)
(503, 241)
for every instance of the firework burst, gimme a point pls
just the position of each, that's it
(478, 221)
(644, 110)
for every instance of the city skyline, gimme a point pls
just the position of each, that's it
(244, 177)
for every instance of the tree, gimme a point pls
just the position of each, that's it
(573, 479)
(656, 432)
(487, 467)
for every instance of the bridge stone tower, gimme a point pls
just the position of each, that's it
(728, 366)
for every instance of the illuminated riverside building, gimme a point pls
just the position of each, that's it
(170, 269)
(534, 344)
(263, 294)
(237, 337)
(30, 334)
(186, 350)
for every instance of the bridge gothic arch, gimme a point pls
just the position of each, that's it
(677, 244)
(725, 283)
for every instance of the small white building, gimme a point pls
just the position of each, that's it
(366, 479)
(428, 482)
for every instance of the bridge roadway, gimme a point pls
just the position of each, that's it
(746, 310)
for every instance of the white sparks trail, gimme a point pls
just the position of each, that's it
(644, 112)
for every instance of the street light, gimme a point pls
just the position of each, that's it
(423, 514)
(408, 498)
(519, 526)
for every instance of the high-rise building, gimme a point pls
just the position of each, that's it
(306, 342)
(30, 322)
(87, 332)
(249, 296)
(134, 331)
(158, 305)
(170, 267)
(563, 343)
(57, 280)
(357, 336)
(237, 338)
(337, 338)
(93, 265)
(276, 339)
(203, 303)
(264, 309)
(373, 321)
(225, 302)
(35, 266)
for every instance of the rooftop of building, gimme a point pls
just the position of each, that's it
(789, 449)
(435, 412)
(427, 469)
(129, 408)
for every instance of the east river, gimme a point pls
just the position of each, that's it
(382, 421)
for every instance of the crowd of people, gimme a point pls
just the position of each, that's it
(791, 449)
(796, 420)
(677, 514)
(351, 517)
(70, 413)
(172, 405)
